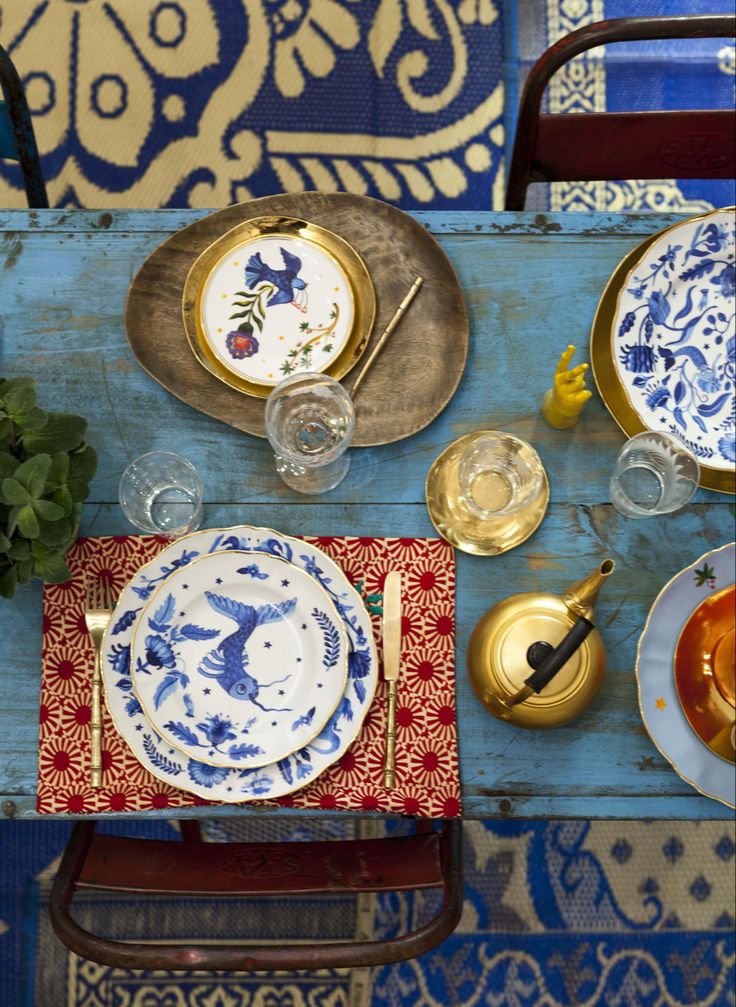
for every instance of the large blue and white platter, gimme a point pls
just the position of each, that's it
(219, 783)
(660, 705)
(674, 342)
(238, 659)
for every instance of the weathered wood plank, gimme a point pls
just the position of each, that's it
(603, 764)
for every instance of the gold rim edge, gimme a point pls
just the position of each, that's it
(217, 765)
(360, 719)
(604, 368)
(691, 566)
(359, 281)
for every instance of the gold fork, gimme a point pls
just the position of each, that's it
(99, 605)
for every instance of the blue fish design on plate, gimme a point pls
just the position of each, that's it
(238, 662)
(674, 339)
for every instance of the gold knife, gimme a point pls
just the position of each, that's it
(391, 665)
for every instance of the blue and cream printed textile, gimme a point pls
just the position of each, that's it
(633, 76)
(207, 102)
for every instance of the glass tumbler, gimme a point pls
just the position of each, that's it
(499, 475)
(161, 492)
(310, 420)
(655, 474)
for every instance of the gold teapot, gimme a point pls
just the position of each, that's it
(537, 659)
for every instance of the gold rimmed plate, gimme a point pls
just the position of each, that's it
(275, 296)
(662, 343)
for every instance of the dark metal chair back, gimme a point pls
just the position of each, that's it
(17, 139)
(619, 145)
(427, 859)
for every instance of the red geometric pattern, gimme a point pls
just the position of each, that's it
(426, 750)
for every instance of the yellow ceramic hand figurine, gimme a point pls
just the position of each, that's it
(562, 403)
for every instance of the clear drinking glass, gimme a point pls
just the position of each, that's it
(161, 492)
(500, 475)
(309, 423)
(655, 474)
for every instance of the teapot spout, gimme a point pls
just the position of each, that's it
(581, 596)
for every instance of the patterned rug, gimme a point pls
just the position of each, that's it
(556, 914)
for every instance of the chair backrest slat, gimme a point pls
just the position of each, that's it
(17, 140)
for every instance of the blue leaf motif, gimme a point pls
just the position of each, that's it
(692, 353)
(697, 420)
(711, 408)
(132, 707)
(192, 632)
(659, 307)
(640, 382)
(687, 307)
(124, 684)
(188, 704)
(125, 621)
(330, 638)
(158, 760)
(284, 767)
(699, 269)
(679, 392)
(183, 733)
(164, 690)
(677, 413)
(164, 612)
(244, 751)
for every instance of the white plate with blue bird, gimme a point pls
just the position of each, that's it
(188, 771)
(276, 296)
(239, 659)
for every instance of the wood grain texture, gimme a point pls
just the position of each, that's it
(417, 372)
(532, 283)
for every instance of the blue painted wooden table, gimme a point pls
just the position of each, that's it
(532, 284)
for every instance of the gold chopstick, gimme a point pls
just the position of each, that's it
(398, 315)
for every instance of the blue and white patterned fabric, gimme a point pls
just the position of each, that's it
(633, 76)
(208, 102)
(557, 914)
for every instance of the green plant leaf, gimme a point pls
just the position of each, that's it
(13, 520)
(48, 510)
(83, 463)
(63, 498)
(56, 534)
(32, 475)
(8, 580)
(49, 564)
(5, 543)
(79, 489)
(59, 470)
(8, 465)
(12, 492)
(20, 548)
(31, 419)
(21, 382)
(20, 398)
(24, 570)
(28, 522)
(62, 432)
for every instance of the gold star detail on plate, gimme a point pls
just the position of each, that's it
(337, 290)
(270, 375)
(219, 330)
(661, 703)
(235, 263)
(224, 295)
(281, 338)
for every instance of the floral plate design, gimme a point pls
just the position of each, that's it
(673, 338)
(663, 715)
(238, 659)
(217, 783)
(275, 296)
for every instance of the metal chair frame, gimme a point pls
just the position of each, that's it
(17, 139)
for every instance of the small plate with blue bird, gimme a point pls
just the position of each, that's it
(188, 772)
(238, 659)
(276, 296)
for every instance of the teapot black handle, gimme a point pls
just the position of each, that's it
(547, 660)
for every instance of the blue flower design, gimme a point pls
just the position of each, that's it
(159, 653)
(206, 776)
(120, 659)
(659, 307)
(713, 237)
(657, 397)
(217, 729)
(258, 785)
(726, 279)
(727, 447)
(637, 292)
(359, 663)
(638, 359)
(707, 380)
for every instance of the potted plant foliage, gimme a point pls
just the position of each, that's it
(45, 469)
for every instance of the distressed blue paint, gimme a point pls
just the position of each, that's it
(528, 291)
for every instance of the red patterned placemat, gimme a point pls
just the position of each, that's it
(426, 749)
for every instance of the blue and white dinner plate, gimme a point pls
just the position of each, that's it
(674, 340)
(218, 783)
(238, 659)
(660, 706)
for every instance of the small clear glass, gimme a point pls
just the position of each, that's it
(310, 420)
(655, 474)
(499, 475)
(161, 492)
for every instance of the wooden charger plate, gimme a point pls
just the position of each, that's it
(409, 384)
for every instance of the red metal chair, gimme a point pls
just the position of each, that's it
(616, 145)
(17, 139)
(427, 859)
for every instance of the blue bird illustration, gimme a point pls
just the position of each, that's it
(227, 663)
(287, 281)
